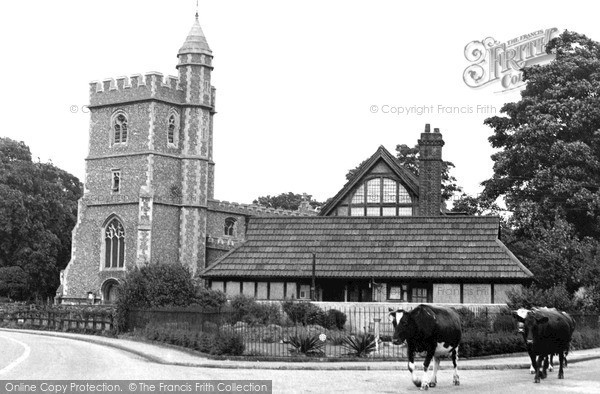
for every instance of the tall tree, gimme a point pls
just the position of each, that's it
(290, 201)
(409, 158)
(38, 209)
(547, 168)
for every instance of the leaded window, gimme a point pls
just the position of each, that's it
(381, 197)
(114, 244)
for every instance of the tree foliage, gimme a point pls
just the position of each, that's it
(290, 201)
(547, 167)
(158, 285)
(409, 158)
(38, 210)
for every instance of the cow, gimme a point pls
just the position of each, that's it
(432, 329)
(548, 331)
(520, 315)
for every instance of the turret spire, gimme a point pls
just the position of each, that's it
(195, 41)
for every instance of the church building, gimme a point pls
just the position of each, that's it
(149, 197)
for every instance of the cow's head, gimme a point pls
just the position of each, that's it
(400, 320)
(532, 323)
(520, 315)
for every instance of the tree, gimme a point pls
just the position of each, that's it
(290, 201)
(409, 159)
(547, 168)
(38, 210)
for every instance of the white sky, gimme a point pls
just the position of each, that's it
(295, 80)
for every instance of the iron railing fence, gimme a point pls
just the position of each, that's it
(281, 337)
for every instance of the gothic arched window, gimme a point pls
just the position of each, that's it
(229, 226)
(114, 244)
(381, 197)
(172, 128)
(120, 127)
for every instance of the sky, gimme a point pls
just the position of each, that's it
(306, 90)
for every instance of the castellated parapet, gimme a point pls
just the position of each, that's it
(137, 87)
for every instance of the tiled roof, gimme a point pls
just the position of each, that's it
(371, 247)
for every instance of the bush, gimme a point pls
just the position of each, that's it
(221, 343)
(476, 344)
(335, 319)
(247, 310)
(471, 321)
(306, 313)
(585, 338)
(208, 298)
(228, 343)
(504, 321)
(360, 345)
(555, 297)
(154, 285)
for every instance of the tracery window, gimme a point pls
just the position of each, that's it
(114, 244)
(172, 128)
(120, 128)
(381, 197)
(229, 228)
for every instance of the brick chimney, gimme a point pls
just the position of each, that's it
(430, 172)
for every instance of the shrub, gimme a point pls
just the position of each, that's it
(360, 345)
(335, 319)
(555, 297)
(471, 321)
(228, 343)
(585, 338)
(504, 322)
(154, 285)
(309, 345)
(475, 344)
(247, 310)
(305, 313)
(208, 298)
(221, 343)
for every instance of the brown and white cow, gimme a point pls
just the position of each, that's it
(432, 329)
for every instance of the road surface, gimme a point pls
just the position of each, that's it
(27, 356)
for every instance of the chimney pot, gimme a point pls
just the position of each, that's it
(436, 130)
(427, 128)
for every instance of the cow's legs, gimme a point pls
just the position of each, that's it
(561, 361)
(454, 357)
(411, 367)
(538, 365)
(551, 366)
(545, 368)
(426, 379)
(436, 368)
(532, 368)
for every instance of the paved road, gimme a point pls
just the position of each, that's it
(27, 356)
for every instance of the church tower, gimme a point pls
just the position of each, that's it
(149, 175)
